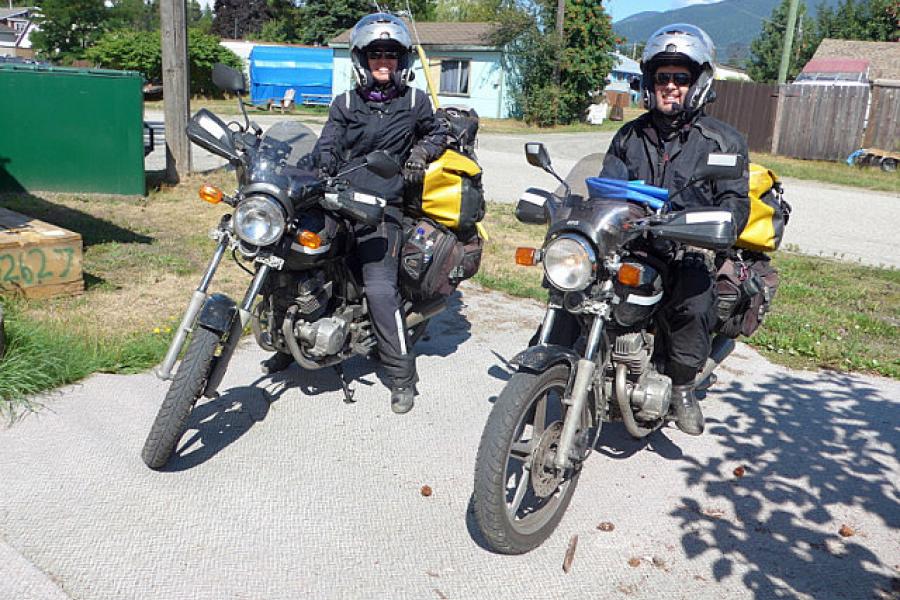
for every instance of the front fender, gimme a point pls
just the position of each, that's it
(541, 357)
(217, 314)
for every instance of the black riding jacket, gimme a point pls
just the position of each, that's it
(357, 126)
(670, 163)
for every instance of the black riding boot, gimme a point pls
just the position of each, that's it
(275, 363)
(687, 409)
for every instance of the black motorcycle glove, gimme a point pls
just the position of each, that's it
(414, 169)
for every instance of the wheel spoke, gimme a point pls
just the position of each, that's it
(513, 507)
(521, 450)
(540, 417)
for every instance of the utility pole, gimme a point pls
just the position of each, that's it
(176, 88)
(788, 41)
(560, 20)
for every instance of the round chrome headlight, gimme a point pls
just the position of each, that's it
(259, 220)
(569, 263)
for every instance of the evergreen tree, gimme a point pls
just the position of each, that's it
(321, 20)
(873, 20)
(766, 50)
(241, 18)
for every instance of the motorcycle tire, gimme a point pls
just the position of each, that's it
(188, 384)
(490, 497)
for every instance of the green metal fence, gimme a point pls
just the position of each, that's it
(71, 130)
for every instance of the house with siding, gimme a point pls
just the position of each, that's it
(857, 61)
(16, 27)
(464, 66)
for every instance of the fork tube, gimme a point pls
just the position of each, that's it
(583, 377)
(164, 371)
(547, 325)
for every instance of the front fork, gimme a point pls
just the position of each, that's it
(164, 371)
(584, 376)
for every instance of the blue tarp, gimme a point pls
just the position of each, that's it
(275, 69)
(652, 196)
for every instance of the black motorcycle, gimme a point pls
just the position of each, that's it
(291, 232)
(548, 417)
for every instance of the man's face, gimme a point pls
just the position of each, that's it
(671, 84)
(382, 62)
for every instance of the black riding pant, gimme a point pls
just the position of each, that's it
(689, 318)
(378, 251)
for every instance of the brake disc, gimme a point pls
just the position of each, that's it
(545, 477)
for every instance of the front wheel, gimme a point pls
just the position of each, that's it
(190, 379)
(519, 496)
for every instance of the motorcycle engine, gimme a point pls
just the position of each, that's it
(324, 337)
(651, 391)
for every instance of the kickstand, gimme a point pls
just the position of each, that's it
(348, 391)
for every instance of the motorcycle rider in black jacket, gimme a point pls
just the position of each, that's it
(381, 112)
(664, 147)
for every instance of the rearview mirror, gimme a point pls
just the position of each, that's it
(702, 227)
(721, 166)
(381, 163)
(211, 133)
(228, 80)
(537, 156)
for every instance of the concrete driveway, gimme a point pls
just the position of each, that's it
(283, 491)
(829, 220)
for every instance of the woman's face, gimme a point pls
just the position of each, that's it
(671, 84)
(382, 63)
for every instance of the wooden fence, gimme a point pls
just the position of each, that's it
(748, 107)
(883, 128)
(820, 122)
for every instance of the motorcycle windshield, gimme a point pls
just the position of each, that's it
(284, 158)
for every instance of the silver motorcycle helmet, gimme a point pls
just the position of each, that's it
(680, 44)
(386, 31)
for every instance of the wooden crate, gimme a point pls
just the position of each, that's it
(37, 259)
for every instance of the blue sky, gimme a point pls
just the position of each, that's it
(619, 9)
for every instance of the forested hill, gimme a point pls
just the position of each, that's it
(733, 24)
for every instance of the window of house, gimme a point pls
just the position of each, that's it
(19, 26)
(454, 76)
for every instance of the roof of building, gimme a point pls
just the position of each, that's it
(883, 57)
(474, 35)
(625, 64)
(7, 13)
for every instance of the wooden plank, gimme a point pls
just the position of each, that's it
(37, 259)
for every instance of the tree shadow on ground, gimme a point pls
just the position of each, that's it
(815, 452)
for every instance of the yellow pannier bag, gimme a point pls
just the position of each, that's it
(768, 212)
(452, 194)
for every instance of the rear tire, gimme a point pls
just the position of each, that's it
(188, 384)
(514, 412)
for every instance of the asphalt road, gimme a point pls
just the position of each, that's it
(842, 222)
(281, 490)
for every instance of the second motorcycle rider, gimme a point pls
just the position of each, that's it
(381, 113)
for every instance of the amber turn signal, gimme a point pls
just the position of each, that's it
(526, 257)
(630, 274)
(310, 240)
(211, 194)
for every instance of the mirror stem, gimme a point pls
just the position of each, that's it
(560, 179)
(690, 182)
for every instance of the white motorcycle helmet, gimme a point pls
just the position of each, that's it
(383, 30)
(680, 44)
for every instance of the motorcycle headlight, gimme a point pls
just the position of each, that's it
(569, 263)
(259, 220)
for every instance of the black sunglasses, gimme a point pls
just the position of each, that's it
(383, 54)
(679, 78)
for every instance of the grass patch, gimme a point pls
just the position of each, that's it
(830, 172)
(229, 106)
(826, 314)
(515, 126)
